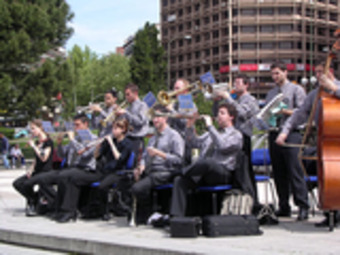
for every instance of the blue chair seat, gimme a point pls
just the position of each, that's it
(215, 188)
(165, 186)
(261, 178)
(311, 178)
(260, 157)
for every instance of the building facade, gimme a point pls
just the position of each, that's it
(231, 36)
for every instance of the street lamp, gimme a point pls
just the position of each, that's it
(186, 37)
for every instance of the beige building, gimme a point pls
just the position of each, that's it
(230, 36)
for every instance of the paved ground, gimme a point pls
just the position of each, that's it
(115, 237)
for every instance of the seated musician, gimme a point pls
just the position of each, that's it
(116, 149)
(217, 162)
(136, 114)
(43, 150)
(110, 100)
(161, 158)
(48, 179)
(300, 116)
(81, 171)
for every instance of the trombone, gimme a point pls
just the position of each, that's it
(112, 116)
(165, 98)
(211, 90)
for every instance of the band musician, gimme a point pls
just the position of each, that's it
(301, 115)
(136, 114)
(217, 161)
(288, 174)
(161, 160)
(110, 100)
(247, 107)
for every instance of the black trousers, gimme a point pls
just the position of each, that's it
(202, 172)
(288, 174)
(248, 151)
(70, 182)
(46, 182)
(137, 145)
(25, 185)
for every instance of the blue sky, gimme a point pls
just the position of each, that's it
(104, 25)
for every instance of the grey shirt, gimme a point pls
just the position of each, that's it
(85, 160)
(301, 115)
(103, 131)
(294, 95)
(247, 107)
(225, 144)
(172, 144)
(136, 114)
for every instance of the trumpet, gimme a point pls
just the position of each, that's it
(112, 116)
(166, 98)
(87, 109)
(211, 90)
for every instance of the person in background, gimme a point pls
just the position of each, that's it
(17, 155)
(4, 150)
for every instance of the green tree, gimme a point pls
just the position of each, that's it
(29, 28)
(147, 62)
(93, 76)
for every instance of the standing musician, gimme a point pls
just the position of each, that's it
(217, 162)
(247, 107)
(301, 115)
(288, 174)
(43, 150)
(159, 164)
(81, 171)
(177, 122)
(137, 116)
(117, 149)
(110, 99)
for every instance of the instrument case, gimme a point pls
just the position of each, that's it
(185, 226)
(230, 225)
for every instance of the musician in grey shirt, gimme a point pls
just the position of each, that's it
(110, 100)
(81, 171)
(301, 115)
(217, 161)
(288, 175)
(137, 115)
(160, 162)
(247, 107)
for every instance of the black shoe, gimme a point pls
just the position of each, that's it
(66, 217)
(303, 214)
(106, 217)
(283, 213)
(30, 211)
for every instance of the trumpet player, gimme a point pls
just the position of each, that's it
(162, 157)
(247, 107)
(136, 113)
(177, 122)
(110, 100)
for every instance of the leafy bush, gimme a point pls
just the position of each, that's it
(8, 132)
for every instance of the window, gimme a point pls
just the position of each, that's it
(180, 28)
(216, 51)
(189, 56)
(180, 13)
(215, 18)
(188, 72)
(188, 9)
(188, 25)
(215, 2)
(285, 11)
(180, 42)
(180, 58)
(322, 15)
(267, 29)
(248, 29)
(207, 52)
(267, 45)
(248, 12)
(198, 70)
(248, 46)
(285, 28)
(267, 11)
(197, 54)
(197, 7)
(333, 17)
(165, 2)
(197, 38)
(206, 20)
(216, 34)
(207, 36)
(285, 45)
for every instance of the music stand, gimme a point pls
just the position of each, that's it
(150, 99)
(68, 125)
(47, 127)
